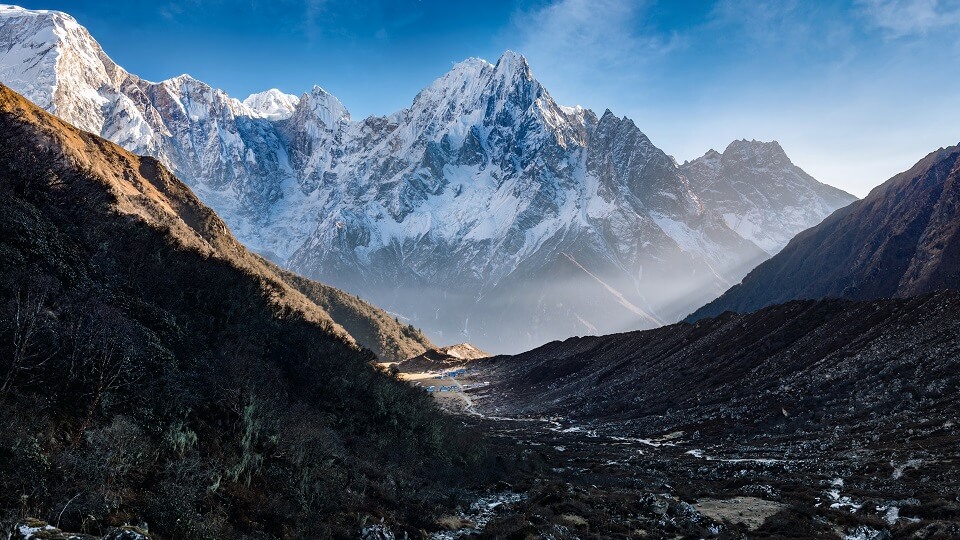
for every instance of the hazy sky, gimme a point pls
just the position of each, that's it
(855, 91)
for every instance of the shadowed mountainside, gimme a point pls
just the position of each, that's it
(372, 327)
(806, 365)
(154, 371)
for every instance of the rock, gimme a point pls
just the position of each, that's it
(34, 529)
(127, 533)
(504, 486)
(377, 532)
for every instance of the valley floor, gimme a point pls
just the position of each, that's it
(603, 480)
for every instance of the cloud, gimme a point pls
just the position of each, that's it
(901, 18)
(785, 27)
(760, 21)
(312, 11)
(171, 11)
(588, 38)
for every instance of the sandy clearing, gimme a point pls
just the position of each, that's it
(456, 401)
(750, 511)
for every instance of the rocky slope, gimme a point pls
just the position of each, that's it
(804, 365)
(900, 240)
(154, 371)
(485, 197)
(838, 419)
(453, 356)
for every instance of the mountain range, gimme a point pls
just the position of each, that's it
(861, 309)
(485, 211)
(161, 379)
(872, 290)
(820, 403)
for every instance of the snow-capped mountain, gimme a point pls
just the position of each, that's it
(484, 211)
(760, 193)
(273, 104)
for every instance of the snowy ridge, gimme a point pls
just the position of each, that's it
(485, 211)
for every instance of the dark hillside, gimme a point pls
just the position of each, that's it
(154, 371)
(823, 368)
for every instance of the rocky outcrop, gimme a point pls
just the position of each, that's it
(34, 529)
(442, 358)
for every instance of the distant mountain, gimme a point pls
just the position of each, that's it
(760, 193)
(485, 211)
(903, 239)
(153, 370)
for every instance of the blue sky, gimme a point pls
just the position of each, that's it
(854, 90)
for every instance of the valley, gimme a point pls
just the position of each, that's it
(598, 481)
(485, 314)
(765, 435)
(484, 211)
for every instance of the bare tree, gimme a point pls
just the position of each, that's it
(29, 322)
(106, 362)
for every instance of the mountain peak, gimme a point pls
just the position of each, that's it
(323, 106)
(749, 174)
(512, 73)
(513, 62)
(273, 104)
(54, 62)
(8, 10)
(754, 148)
(607, 114)
(319, 93)
(184, 78)
(32, 22)
(901, 240)
(472, 64)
